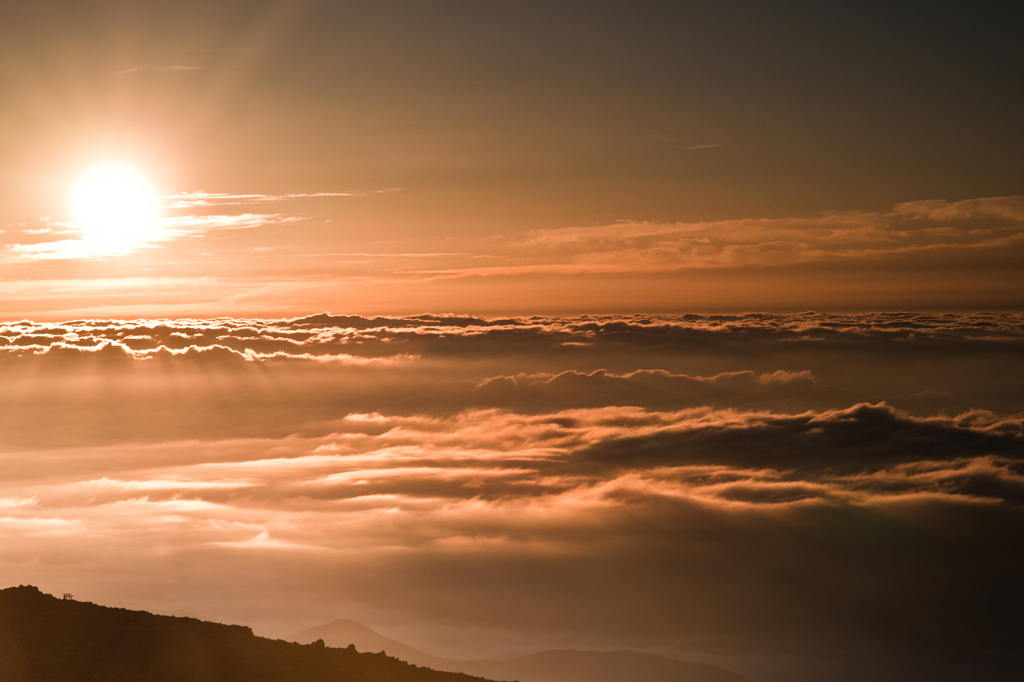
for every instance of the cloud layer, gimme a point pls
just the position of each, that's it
(909, 229)
(803, 483)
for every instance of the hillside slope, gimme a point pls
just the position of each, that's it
(44, 639)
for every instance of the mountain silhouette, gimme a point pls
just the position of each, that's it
(341, 633)
(45, 639)
(180, 613)
(546, 666)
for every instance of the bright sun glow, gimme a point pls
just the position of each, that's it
(114, 205)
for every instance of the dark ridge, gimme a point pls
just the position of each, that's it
(43, 639)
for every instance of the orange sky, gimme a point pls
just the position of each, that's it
(398, 159)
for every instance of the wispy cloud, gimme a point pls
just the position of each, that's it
(194, 225)
(158, 68)
(627, 246)
(86, 247)
(80, 245)
(193, 199)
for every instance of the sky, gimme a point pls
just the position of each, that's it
(690, 328)
(499, 158)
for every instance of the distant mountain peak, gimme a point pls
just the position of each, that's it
(342, 633)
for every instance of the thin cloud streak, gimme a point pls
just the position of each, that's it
(163, 230)
(198, 198)
(152, 68)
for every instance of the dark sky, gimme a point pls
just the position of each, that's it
(556, 105)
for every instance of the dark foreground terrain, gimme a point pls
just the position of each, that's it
(44, 638)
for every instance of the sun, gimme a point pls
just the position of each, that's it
(114, 204)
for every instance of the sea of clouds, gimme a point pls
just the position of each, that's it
(737, 485)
